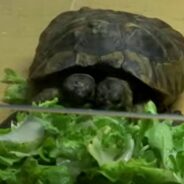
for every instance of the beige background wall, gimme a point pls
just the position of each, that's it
(21, 22)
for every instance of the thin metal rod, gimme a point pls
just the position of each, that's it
(29, 108)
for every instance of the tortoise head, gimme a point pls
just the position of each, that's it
(78, 89)
(98, 37)
(110, 93)
(114, 93)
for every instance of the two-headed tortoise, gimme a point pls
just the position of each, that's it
(109, 59)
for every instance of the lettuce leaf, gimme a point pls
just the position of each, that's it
(79, 149)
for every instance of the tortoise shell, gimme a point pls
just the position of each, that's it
(147, 52)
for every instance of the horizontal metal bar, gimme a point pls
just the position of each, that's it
(30, 108)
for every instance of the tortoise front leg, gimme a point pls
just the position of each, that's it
(46, 94)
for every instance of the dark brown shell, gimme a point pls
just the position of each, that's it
(148, 48)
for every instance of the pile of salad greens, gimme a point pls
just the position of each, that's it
(44, 148)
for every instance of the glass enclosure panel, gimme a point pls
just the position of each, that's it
(21, 23)
(97, 146)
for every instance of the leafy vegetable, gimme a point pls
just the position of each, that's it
(12, 77)
(78, 149)
(22, 141)
(16, 92)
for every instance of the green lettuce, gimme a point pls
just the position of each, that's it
(78, 149)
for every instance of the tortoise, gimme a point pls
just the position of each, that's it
(108, 59)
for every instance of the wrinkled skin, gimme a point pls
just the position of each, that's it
(80, 89)
(114, 93)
